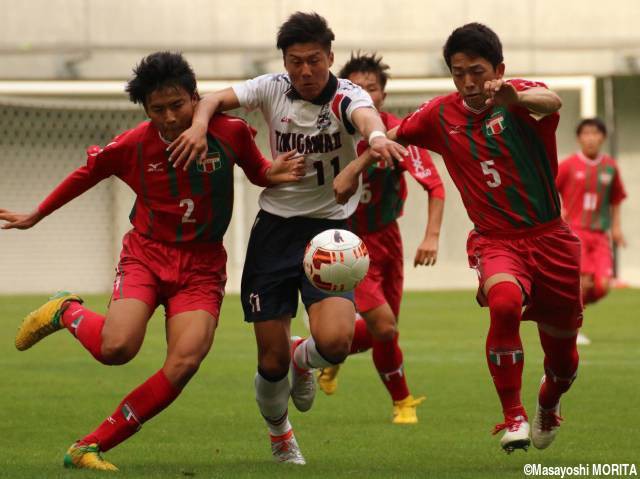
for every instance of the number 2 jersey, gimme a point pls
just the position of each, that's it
(589, 187)
(384, 189)
(321, 130)
(502, 159)
(171, 205)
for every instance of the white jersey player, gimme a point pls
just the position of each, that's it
(310, 110)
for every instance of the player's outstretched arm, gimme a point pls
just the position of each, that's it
(192, 143)
(287, 167)
(427, 252)
(20, 221)
(538, 100)
(370, 126)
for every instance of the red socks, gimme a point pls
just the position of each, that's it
(86, 326)
(560, 366)
(387, 356)
(362, 340)
(504, 348)
(144, 402)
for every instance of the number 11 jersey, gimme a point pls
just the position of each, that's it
(321, 130)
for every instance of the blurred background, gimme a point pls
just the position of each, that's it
(63, 64)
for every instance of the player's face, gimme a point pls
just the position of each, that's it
(590, 140)
(370, 83)
(469, 75)
(170, 109)
(308, 67)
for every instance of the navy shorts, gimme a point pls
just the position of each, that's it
(273, 272)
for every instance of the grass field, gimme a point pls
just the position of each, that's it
(56, 392)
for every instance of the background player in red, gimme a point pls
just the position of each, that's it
(375, 221)
(173, 255)
(591, 189)
(497, 139)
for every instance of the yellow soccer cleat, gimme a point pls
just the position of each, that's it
(404, 411)
(86, 456)
(44, 320)
(328, 379)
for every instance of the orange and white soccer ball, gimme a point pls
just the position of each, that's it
(336, 261)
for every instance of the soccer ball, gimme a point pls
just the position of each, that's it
(336, 261)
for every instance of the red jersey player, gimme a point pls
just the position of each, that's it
(591, 189)
(497, 139)
(378, 296)
(173, 255)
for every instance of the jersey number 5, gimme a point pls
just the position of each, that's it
(495, 180)
(319, 166)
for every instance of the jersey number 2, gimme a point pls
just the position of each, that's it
(186, 217)
(319, 166)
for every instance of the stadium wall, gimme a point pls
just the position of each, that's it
(77, 247)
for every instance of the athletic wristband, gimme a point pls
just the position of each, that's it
(375, 134)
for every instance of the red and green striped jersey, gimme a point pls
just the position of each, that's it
(172, 205)
(588, 188)
(502, 160)
(384, 189)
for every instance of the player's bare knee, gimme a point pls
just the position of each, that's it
(117, 352)
(334, 350)
(385, 332)
(273, 364)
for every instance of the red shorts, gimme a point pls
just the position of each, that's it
(383, 283)
(546, 262)
(597, 258)
(182, 277)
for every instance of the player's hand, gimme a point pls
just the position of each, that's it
(618, 238)
(189, 146)
(427, 252)
(345, 185)
(19, 221)
(289, 166)
(383, 148)
(500, 93)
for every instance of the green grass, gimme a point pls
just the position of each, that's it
(56, 392)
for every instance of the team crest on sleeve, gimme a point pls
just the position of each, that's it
(209, 164)
(496, 124)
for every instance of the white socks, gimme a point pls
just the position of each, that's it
(273, 401)
(306, 356)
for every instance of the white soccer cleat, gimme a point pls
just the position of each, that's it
(545, 426)
(303, 385)
(516, 435)
(582, 340)
(285, 449)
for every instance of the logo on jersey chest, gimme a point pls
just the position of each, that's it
(324, 117)
(495, 125)
(209, 164)
(155, 167)
(605, 178)
(580, 175)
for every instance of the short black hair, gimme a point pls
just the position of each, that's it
(159, 70)
(304, 28)
(366, 63)
(474, 39)
(597, 122)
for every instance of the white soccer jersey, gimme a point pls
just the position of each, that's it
(321, 130)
